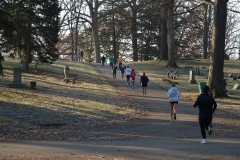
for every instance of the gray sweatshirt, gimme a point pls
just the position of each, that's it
(173, 94)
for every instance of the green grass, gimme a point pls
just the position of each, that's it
(91, 98)
(156, 70)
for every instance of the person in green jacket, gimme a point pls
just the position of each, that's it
(111, 61)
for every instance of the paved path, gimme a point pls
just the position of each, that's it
(155, 136)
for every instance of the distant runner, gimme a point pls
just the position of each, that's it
(111, 61)
(132, 75)
(173, 95)
(114, 71)
(128, 72)
(144, 81)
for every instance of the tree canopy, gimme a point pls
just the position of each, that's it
(36, 29)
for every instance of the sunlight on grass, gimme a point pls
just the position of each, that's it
(92, 97)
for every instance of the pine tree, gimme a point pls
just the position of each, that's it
(36, 29)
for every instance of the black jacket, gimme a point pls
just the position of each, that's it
(103, 59)
(144, 80)
(205, 103)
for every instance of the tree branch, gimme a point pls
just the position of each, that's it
(234, 11)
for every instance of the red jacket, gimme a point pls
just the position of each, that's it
(133, 75)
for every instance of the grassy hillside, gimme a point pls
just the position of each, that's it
(92, 101)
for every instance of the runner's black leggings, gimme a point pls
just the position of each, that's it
(205, 119)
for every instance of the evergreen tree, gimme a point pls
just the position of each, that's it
(36, 29)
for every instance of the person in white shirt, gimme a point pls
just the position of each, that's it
(128, 72)
(173, 95)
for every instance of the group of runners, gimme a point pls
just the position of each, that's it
(126, 71)
(205, 102)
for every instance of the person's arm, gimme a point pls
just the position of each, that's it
(169, 93)
(214, 105)
(196, 102)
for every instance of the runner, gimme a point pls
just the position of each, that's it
(81, 56)
(128, 72)
(207, 105)
(173, 95)
(120, 61)
(143, 81)
(114, 71)
(123, 70)
(103, 59)
(132, 75)
(111, 61)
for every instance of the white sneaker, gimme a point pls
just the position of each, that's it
(210, 129)
(204, 141)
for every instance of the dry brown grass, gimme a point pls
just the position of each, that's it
(92, 98)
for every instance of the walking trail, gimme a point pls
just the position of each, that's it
(153, 137)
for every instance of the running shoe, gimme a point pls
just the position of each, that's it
(204, 141)
(210, 129)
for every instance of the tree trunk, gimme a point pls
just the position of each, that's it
(114, 37)
(94, 15)
(216, 75)
(96, 40)
(28, 49)
(134, 31)
(206, 30)
(170, 35)
(164, 44)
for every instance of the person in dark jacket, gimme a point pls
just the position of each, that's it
(144, 81)
(207, 105)
(103, 59)
(114, 71)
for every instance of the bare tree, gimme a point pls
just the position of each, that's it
(164, 31)
(170, 34)
(216, 75)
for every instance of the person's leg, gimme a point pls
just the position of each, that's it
(202, 130)
(143, 88)
(202, 123)
(128, 79)
(174, 110)
(208, 125)
(171, 110)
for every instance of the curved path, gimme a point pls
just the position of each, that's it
(153, 137)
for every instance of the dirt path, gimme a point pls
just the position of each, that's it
(152, 137)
